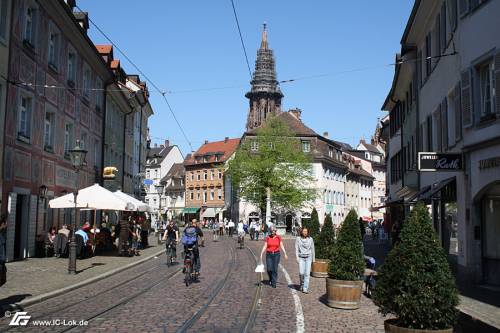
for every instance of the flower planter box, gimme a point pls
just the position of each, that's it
(391, 328)
(343, 294)
(319, 268)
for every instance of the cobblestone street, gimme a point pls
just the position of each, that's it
(152, 297)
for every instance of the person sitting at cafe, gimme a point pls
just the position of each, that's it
(49, 241)
(64, 231)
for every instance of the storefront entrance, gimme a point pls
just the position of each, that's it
(490, 204)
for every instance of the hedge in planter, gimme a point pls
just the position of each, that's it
(314, 225)
(415, 282)
(347, 261)
(325, 240)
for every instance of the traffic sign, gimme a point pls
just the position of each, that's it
(148, 182)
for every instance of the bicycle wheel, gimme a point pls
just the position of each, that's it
(169, 257)
(187, 276)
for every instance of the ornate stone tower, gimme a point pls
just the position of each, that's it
(265, 95)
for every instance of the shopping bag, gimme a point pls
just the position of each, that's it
(259, 268)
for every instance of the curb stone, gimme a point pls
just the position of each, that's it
(40, 298)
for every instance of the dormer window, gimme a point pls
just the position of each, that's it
(330, 151)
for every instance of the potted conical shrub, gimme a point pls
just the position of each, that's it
(347, 266)
(319, 267)
(415, 282)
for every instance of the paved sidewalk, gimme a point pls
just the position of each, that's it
(36, 276)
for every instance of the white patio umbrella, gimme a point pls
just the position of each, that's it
(93, 197)
(138, 205)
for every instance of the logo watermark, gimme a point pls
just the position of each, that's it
(22, 318)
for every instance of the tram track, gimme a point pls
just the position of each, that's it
(247, 325)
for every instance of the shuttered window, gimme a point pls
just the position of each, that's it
(466, 98)
(444, 123)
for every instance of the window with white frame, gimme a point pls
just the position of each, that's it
(29, 25)
(219, 194)
(147, 174)
(24, 116)
(204, 196)
(71, 74)
(220, 174)
(68, 137)
(192, 176)
(48, 129)
(53, 47)
(306, 146)
(191, 195)
(198, 176)
(212, 194)
(486, 86)
(330, 151)
(198, 195)
(212, 175)
(205, 175)
(254, 145)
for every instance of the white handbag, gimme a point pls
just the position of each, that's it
(259, 268)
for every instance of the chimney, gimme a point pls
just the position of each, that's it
(296, 113)
(83, 20)
(162, 146)
(363, 141)
(206, 141)
(226, 139)
(167, 143)
(325, 134)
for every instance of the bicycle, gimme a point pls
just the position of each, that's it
(188, 266)
(170, 252)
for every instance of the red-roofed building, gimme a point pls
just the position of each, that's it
(208, 191)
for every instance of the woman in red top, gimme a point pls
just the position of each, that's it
(272, 248)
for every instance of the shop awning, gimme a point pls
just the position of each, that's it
(190, 210)
(437, 187)
(419, 194)
(209, 212)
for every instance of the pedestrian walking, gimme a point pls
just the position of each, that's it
(272, 248)
(230, 225)
(252, 230)
(257, 230)
(304, 251)
(221, 228)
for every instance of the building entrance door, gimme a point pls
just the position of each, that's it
(491, 237)
(21, 227)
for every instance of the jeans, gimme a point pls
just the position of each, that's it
(272, 264)
(305, 270)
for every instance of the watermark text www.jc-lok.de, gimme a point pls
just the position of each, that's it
(22, 318)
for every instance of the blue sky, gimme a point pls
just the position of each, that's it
(189, 45)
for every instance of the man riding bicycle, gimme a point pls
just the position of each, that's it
(190, 238)
(171, 236)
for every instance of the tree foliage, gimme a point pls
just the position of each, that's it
(314, 224)
(415, 282)
(273, 159)
(323, 244)
(347, 261)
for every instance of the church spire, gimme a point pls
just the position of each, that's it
(265, 95)
(263, 44)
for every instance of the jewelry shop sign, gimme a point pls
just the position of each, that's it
(432, 161)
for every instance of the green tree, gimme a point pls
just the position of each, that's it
(274, 160)
(415, 282)
(323, 244)
(347, 261)
(314, 224)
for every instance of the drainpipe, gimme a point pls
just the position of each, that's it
(105, 111)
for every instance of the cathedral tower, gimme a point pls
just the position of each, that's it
(265, 95)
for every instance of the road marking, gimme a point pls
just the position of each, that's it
(299, 315)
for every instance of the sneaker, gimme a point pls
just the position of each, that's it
(305, 291)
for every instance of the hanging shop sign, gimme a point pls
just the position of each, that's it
(431, 161)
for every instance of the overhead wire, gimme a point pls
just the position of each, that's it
(162, 92)
(241, 38)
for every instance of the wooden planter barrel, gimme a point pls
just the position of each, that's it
(391, 328)
(319, 268)
(343, 294)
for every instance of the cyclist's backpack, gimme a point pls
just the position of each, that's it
(189, 236)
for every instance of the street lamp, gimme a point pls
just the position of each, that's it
(159, 189)
(77, 156)
(174, 199)
(42, 194)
